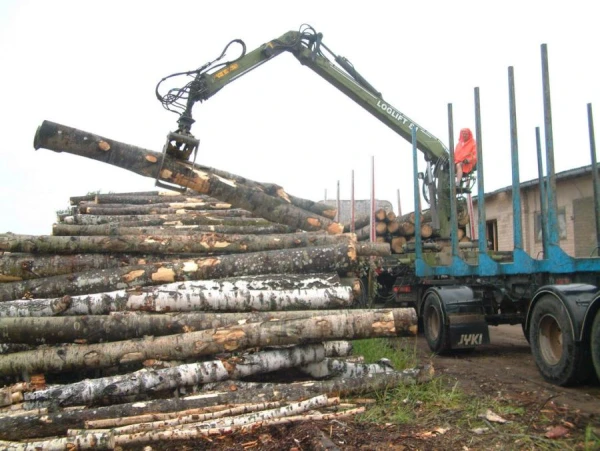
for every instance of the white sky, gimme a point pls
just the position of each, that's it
(94, 65)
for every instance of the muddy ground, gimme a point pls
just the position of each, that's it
(503, 370)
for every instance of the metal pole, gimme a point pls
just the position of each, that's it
(553, 233)
(325, 198)
(352, 206)
(399, 203)
(481, 235)
(514, 152)
(372, 199)
(595, 177)
(543, 198)
(453, 220)
(417, 196)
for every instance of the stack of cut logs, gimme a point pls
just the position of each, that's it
(399, 230)
(152, 317)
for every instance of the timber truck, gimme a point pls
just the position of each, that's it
(457, 289)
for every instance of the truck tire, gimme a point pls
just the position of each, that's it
(595, 344)
(434, 327)
(560, 359)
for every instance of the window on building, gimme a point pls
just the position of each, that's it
(562, 225)
(491, 231)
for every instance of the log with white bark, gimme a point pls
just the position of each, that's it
(123, 326)
(115, 388)
(86, 440)
(176, 208)
(58, 422)
(185, 297)
(341, 368)
(195, 433)
(75, 200)
(206, 413)
(187, 418)
(38, 307)
(117, 230)
(61, 138)
(216, 217)
(22, 266)
(179, 244)
(339, 258)
(144, 199)
(201, 343)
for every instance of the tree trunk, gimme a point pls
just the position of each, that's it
(339, 258)
(393, 227)
(75, 200)
(234, 217)
(406, 229)
(179, 244)
(380, 228)
(195, 344)
(144, 162)
(107, 390)
(426, 230)
(409, 217)
(126, 325)
(359, 223)
(328, 368)
(21, 266)
(364, 233)
(397, 244)
(156, 209)
(116, 230)
(57, 423)
(39, 307)
(160, 198)
(381, 215)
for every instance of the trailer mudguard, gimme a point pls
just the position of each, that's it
(463, 315)
(576, 298)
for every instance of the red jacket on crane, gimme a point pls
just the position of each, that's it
(465, 151)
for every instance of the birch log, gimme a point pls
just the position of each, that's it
(217, 217)
(157, 209)
(57, 423)
(22, 266)
(41, 307)
(341, 368)
(159, 198)
(75, 200)
(113, 389)
(338, 258)
(126, 325)
(201, 343)
(144, 162)
(184, 244)
(116, 230)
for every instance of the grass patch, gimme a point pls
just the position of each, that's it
(442, 403)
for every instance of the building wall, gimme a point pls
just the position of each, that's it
(573, 193)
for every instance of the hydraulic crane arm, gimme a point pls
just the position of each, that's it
(308, 48)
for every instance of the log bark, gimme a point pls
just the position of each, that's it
(23, 266)
(116, 230)
(144, 162)
(329, 367)
(144, 199)
(340, 258)
(206, 243)
(107, 390)
(372, 249)
(75, 200)
(126, 325)
(364, 233)
(156, 209)
(359, 222)
(40, 307)
(214, 217)
(57, 423)
(148, 423)
(201, 343)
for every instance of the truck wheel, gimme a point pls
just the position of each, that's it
(434, 328)
(595, 341)
(559, 358)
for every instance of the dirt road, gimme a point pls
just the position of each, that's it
(506, 367)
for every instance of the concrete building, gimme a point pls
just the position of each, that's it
(576, 216)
